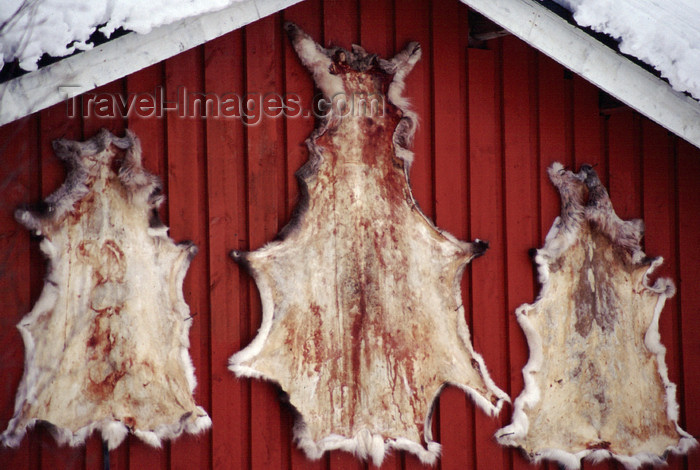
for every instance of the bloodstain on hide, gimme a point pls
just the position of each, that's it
(107, 341)
(596, 384)
(363, 322)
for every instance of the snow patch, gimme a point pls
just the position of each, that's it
(30, 28)
(664, 34)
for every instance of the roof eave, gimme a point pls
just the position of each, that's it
(526, 19)
(605, 68)
(122, 56)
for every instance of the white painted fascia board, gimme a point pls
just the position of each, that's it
(605, 68)
(122, 56)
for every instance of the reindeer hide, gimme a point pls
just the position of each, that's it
(107, 341)
(363, 322)
(596, 383)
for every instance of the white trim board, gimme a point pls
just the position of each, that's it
(600, 65)
(122, 56)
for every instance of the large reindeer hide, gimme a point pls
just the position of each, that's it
(107, 341)
(596, 383)
(363, 322)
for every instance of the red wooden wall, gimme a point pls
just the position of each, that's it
(492, 120)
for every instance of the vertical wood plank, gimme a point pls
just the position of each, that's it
(299, 86)
(449, 41)
(19, 184)
(587, 128)
(266, 182)
(625, 186)
(521, 191)
(105, 107)
(150, 129)
(225, 138)
(413, 24)
(490, 317)
(377, 27)
(37, 272)
(689, 286)
(554, 110)
(341, 26)
(188, 221)
(660, 237)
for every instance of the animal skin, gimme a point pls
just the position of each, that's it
(363, 322)
(596, 383)
(106, 344)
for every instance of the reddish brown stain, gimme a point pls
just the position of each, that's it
(375, 346)
(597, 303)
(105, 389)
(109, 262)
(112, 260)
(82, 206)
(101, 342)
(358, 294)
(84, 250)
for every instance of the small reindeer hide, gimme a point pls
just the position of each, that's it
(596, 383)
(363, 322)
(107, 341)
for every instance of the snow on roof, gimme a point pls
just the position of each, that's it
(30, 28)
(664, 34)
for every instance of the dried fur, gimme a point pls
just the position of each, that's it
(363, 323)
(596, 382)
(99, 340)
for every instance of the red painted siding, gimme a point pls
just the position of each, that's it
(492, 120)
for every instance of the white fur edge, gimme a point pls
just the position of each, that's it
(363, 445)
(114, 432)
(13, 435)
(183, 309)
(530, 396)
(404, 62)
(652, 341)
(464, 334)
(366, 445)
(235, 362)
